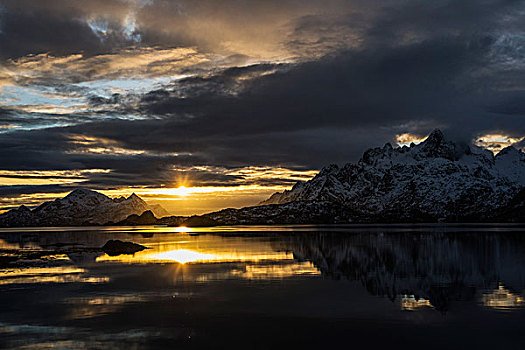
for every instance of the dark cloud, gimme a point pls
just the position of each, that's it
(365, 73)
(17, 191)
(44, 31)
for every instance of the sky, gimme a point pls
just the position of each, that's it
(204, 104)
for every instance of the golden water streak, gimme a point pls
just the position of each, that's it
(184, 256)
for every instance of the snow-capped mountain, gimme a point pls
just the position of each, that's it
(79, 207)
(435, 180)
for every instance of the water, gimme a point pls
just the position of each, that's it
(433, 287)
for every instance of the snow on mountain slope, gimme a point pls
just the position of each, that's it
(437, 178)
(79, 207)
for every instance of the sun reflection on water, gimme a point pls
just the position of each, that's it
(258, 272)
(184, 256)
(57, 274)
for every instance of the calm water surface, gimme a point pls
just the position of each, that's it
(433, 287)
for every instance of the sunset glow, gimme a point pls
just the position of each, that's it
(179, 200)
(203, 249)
(496, 142)
(194, 108)
(222, 174)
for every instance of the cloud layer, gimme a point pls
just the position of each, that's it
(149, 91)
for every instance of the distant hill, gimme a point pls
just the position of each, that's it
(80, 207)
(148, 218)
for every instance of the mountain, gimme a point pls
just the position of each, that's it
(80, 207)
(436, 180)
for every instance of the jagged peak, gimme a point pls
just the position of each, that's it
(434, 140)
(435, 136)
(134, 197)
(438, 146)
(23, 208)
(329, 169)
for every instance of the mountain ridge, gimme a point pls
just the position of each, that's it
(79, 208)
(436, 180)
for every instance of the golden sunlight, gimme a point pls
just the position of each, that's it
(183, 256)
(182, 191)
(496, 142)
(406, 139)
(179, 191)
(204, 249)
(58, 274)
(194, 200)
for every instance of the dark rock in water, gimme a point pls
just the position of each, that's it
(199, 221)
(146, 218)
(118, 247)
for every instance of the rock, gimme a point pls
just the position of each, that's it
(118, 247)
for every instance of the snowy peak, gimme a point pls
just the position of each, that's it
(510, 162)
(436, 179)
(435, 137)
(82, 194)
(23, 209)
(134, 197)
(511, 152)
(80, 207)
(327, 170)
(436, 146)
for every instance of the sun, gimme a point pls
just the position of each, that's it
(182, 190)
(182, 229)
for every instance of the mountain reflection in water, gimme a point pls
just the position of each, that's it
(294, 285)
